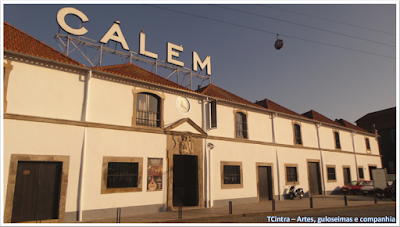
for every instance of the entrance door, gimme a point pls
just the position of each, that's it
(37, 191)
(265, 183)
(314, 178)
(346, 175)
(185, 181)
(370, 171)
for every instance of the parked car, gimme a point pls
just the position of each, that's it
(369, 189)
(355, 186)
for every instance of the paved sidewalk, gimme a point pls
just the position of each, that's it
(249, 209)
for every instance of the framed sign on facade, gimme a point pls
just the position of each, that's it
(380, 178)
(154, 174)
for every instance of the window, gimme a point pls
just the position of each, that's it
(297, 134)
(337, 140)
(361, 172)
(331, 173)
(231, 175)
(148, 110)
(291, 175)
(367, 144)
(214, 114)
(241, 125)
(121, 174)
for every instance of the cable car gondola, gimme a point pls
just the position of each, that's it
(278, 43)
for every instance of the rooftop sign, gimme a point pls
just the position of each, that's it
(115, 34)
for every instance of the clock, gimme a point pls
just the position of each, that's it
(182, 105)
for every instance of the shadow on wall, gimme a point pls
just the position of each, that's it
(286, 192)
(336, 191)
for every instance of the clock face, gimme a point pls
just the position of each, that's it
(182, 105)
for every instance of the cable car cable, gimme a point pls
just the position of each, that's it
(320, 29)
(274, 33)
(321, 18)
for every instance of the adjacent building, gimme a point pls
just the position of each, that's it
(81, 142)
(383, 123)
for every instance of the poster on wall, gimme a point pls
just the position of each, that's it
(154, 174)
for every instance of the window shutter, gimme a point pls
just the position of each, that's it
(214, 114)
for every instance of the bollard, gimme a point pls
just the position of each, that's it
(273, 204)
(311, 202)
(345, 200)
(230, 207)
(180, 211)
(376, 201)
(118, 215)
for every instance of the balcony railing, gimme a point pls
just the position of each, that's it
(147, 118)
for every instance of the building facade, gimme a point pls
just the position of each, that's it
(123, 137)
(383, 123)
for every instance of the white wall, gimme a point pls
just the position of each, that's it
(283, 131)
(374, 145)
(171, 114)
(295, 156)
(33, 138)
(248, 154)
(260, 127)
(346, 140)
(366, 161)
(45, 91)
(225, 121)
(327, 138)
(110, 102)
(361, 147)
(103, 142)
(339, 160)
(309, 135)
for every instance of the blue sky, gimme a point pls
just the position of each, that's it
(338, 59)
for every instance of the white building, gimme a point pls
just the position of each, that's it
(81, 142)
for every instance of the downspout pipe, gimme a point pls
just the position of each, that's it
(273, 115)
(207, 155)
(355, 156)
(318, 125)
(82, 169)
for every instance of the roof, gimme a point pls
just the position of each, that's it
(219, 93)
(312, 114)
(18, 41)
(268, 104)
(133, 71)
(350, 125)
(377, 114)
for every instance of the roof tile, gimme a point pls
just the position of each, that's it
(133, 71)
(268, 104)
(18, 41)
(312, 114)
(350, 125)
(217, 92)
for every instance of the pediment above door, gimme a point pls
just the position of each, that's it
(186, 125)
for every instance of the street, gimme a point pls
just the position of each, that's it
(364, 214)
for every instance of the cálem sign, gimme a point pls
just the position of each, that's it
(115, 34)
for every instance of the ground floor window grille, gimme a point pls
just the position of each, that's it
(122, 175)
(291, 174)
(361, 173)
(331, 173)
(231, 174)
